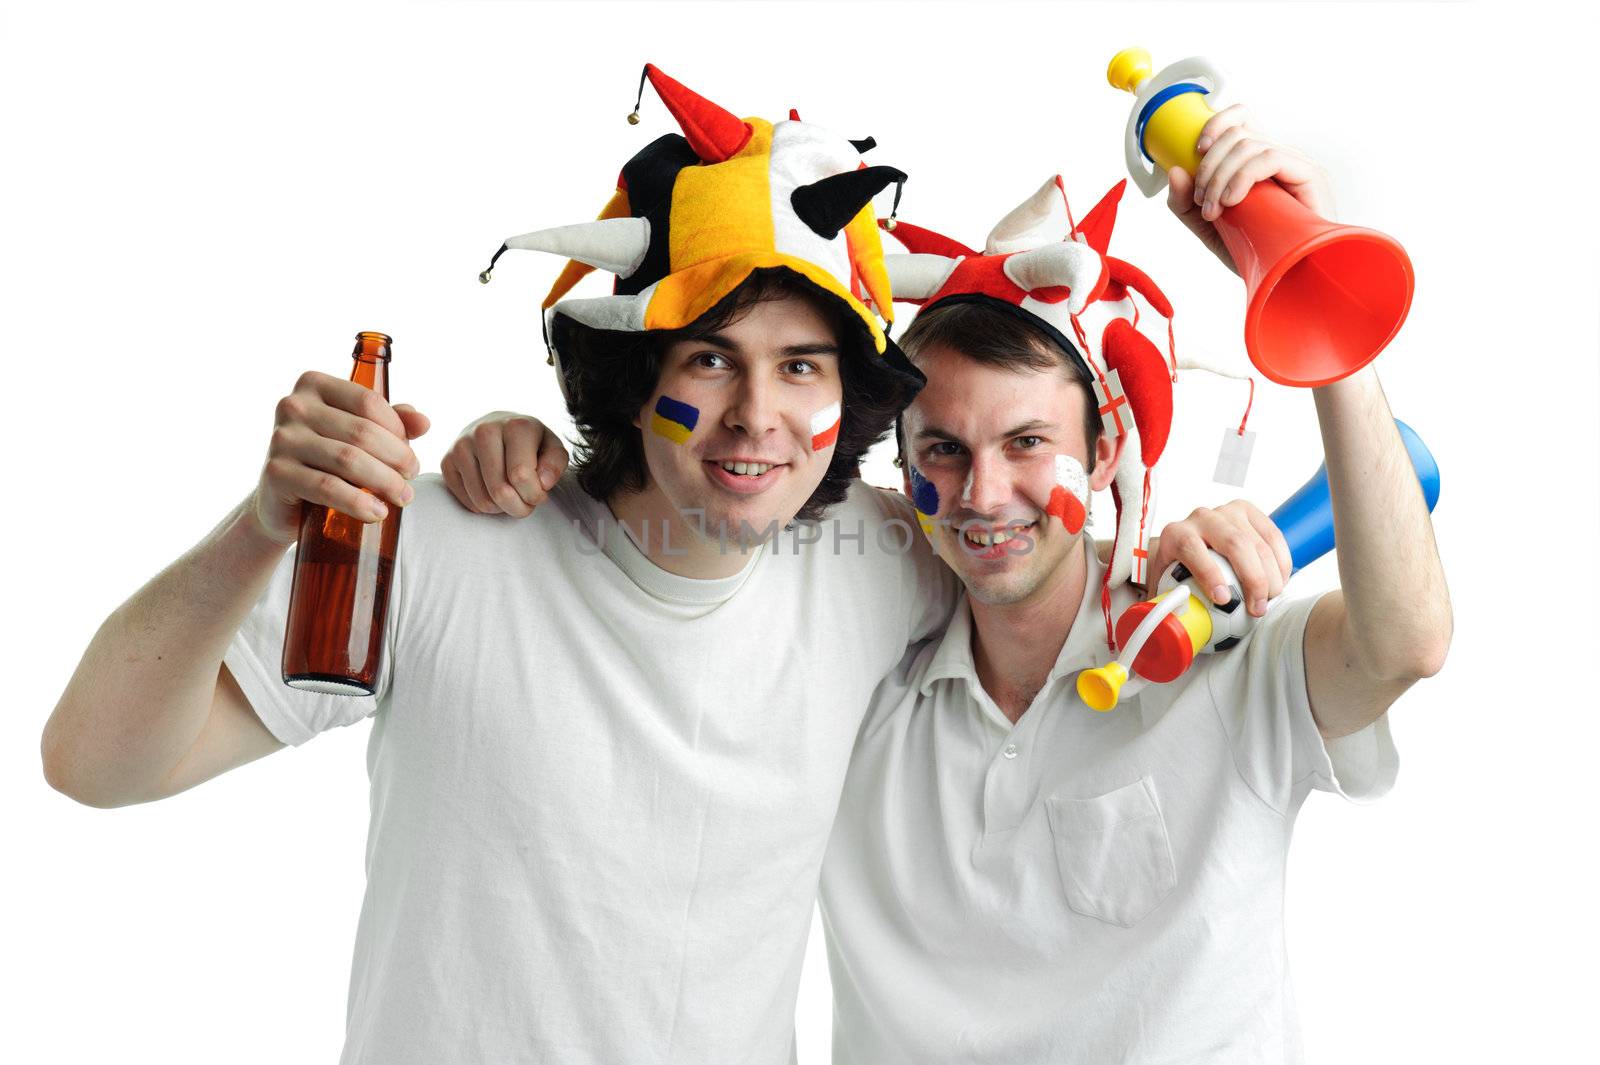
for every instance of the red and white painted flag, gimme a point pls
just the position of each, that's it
(1069, 499)
(825, 427)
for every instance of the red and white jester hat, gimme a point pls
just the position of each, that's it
(1040, 264)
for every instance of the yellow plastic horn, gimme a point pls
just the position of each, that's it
(1099, 687)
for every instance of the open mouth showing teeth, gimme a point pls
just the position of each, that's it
(980, 538)
(747, 469)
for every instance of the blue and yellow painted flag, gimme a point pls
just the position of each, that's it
(674, 419)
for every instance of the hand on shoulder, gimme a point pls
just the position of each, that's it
(504, 463)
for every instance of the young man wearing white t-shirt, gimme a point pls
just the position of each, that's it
(608, 741)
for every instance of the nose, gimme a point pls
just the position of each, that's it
(754, 410)
(988, 486)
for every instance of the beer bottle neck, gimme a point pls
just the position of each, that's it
(372, 362)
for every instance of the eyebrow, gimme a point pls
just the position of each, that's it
(790, 352)
(1032, 425)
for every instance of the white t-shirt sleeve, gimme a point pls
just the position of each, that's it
(1259, 691)
(255, 658)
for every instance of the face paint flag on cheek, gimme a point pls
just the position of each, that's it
(925, 497)
(1069, 499)
(674, 419)
(825, 427)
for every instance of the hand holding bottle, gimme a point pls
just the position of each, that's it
(339, 444)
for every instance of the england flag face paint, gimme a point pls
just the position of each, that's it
(1069, 499)
(825, 427)
(674, 419)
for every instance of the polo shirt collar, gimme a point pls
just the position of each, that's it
(1085, 646)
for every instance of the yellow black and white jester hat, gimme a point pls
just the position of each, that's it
(695, 214)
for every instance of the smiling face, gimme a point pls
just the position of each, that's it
(735, 427)
(987, 438)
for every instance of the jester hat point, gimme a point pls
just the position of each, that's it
(696, 214)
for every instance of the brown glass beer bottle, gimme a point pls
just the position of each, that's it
(334, 638)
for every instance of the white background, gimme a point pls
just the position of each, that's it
(201, 202)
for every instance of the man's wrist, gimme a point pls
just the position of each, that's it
(246, 534)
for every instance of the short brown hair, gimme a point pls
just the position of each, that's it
(608, 376)
(998, 334)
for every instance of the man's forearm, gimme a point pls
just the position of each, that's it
(1397, 608)
(144, 687)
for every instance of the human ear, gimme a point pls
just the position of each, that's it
(1107, 454)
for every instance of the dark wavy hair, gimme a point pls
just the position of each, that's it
(609, 375)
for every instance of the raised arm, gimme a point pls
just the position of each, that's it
(151, 710)
(1390, 623)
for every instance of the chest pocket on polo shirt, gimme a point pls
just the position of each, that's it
(1112, 852)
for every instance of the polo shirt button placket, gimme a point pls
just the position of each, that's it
(1010, 750)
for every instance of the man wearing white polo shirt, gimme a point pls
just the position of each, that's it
(1014, 877)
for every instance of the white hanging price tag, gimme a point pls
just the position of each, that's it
(1233, 461)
